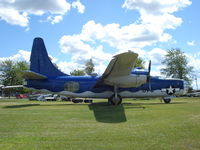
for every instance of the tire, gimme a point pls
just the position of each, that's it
(167, 100)
(112, 100)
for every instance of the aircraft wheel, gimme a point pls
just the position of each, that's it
(167, 100)
(109, 101)
(115, 101)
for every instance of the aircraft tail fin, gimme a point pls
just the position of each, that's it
(40, 62)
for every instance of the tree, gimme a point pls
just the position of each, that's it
(20, 67)
(77, 72)
(140, 63)
(8, 72)
(11, 73)
(176, 65)
(89, 67)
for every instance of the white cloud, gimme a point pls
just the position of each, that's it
(68, 67)
(194, 61)
(81, 52)
(191, 43)
(156, 55)
(17, 12)
(156, 6)
(156, 17)
(55, 19)
(21, 55)
(27, 29)
(73, 44)
(125, 37)
(14, 17)
(132, 37)
(77, 4)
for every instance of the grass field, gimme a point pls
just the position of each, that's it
(136, 125)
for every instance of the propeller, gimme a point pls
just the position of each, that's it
(149, 76)
(149, 70)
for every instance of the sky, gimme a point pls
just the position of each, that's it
(77, 30)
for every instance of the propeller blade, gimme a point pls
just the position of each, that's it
(149, 71)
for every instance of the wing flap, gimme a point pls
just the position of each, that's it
(33, 75)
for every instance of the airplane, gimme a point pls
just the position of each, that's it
(118, 81)
(194, 93)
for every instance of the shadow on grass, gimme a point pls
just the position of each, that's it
(97, 105)
(21, 106)
(161, 103)
(142, 104)
(133, 105)
(107, 113)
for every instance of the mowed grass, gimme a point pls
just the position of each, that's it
(135, 125)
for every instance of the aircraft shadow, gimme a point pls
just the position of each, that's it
(108, 114)
(149, 103)
(142, 105)
(133, 105)
(21, 106)
(42, 104)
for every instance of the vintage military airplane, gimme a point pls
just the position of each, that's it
(118, 81)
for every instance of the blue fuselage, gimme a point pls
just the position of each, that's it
(84, 86)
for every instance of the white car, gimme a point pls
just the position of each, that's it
(47, 97)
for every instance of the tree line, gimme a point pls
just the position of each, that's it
(175, 66)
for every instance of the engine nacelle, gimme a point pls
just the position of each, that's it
(127, 81)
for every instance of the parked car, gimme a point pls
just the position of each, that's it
(64, 98)
(34, 97)
(79, 100)
(20, 96)
(44, 97)
(48, 97)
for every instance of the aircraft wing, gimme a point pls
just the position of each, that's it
(120, 66)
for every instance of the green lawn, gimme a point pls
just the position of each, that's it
(136, 125)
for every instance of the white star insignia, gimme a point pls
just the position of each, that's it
(170, 90)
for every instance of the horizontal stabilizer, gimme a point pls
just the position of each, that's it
(10, 86)
(33, 75)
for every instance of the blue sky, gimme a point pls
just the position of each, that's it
(77, 30)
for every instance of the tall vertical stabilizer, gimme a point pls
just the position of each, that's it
(40, 62)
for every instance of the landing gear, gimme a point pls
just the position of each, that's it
(115, 99)
(167, 100)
